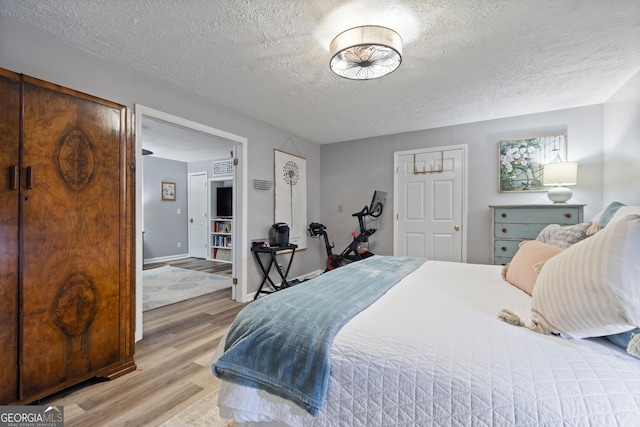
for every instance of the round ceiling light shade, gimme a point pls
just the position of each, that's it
(365, 53)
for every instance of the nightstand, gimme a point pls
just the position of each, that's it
(511, 224)
(271, 252)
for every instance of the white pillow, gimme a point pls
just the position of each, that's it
(624, 211)
(592, 288)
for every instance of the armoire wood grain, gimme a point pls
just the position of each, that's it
(75, 247)
(9, 221)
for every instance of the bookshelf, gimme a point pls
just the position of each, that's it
(220, 243)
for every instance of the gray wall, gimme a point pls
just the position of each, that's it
(622, 144)
(163, 226)
(351, 171)
(27, 51)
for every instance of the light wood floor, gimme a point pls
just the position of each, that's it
(198, 264)
(173, 368)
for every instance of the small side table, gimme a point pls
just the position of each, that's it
(271, 252)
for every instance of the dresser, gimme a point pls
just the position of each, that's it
(511, 224)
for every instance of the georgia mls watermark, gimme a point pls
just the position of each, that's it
(32, 416)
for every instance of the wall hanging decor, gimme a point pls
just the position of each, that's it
(291, 195)
(169, 191)
(521, 161)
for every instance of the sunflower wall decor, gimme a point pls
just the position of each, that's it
(291, 195)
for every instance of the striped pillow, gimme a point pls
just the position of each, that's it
(592, 288)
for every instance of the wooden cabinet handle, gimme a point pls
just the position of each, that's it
(504, 215)
(568, 215)
(504, 230)
(29, 178)
(13, 178)
(504, 249)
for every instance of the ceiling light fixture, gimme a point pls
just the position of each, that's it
(365, 53)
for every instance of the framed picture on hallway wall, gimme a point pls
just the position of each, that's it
(168, 191)
(291, 195)
(521, 161)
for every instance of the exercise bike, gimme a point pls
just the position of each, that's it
(354, 251)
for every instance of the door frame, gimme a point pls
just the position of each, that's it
(464, 200)
(240, 175)
(189, 213)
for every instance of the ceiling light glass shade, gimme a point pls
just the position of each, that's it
(560, 174)
(365, 53)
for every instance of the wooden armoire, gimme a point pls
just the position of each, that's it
(66, 238)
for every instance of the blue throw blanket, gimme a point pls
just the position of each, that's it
(281, 343)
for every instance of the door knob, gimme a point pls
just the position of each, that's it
(457, 228)
(191, 220)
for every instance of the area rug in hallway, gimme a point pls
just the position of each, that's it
(167, 285)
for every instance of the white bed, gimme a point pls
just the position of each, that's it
(432, 351)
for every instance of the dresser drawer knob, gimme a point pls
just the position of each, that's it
(504, 249)
(504, 215)
(568, 215)
(504, 230)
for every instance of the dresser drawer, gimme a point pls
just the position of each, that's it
(511, 224)
(517, 231)
(563, 216)
(505, 248)
(501, 260)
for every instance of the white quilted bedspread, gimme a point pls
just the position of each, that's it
(433, 352)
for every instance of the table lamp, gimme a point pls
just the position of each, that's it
(560, 175)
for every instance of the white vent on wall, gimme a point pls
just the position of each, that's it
(261, 184)
(223, 167)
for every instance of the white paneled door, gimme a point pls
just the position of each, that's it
(429, 203)
(198, 215)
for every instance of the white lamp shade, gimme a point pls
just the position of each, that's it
(560, 174)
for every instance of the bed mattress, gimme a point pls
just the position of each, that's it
(432, 351)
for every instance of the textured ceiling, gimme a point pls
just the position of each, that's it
(173, 142)
(463, 60)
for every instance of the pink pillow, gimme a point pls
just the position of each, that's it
(523, 269)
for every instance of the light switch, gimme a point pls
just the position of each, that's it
(179, 211)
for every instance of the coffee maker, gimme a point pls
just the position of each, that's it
(279, 234)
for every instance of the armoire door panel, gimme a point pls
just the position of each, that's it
(9, 237)
(71, 240)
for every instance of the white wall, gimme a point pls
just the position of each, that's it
(27, 51)
(622, 144)
(351, 171)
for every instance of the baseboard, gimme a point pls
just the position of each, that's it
(310, 275)
(302, 278)
(165, 258)
(299, 279)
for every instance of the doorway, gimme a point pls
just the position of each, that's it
(239, 266)
(430, 203)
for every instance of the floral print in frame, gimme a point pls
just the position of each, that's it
(521, 161)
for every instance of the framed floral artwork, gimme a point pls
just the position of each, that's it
(521, 161)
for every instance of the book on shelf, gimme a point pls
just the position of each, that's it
(222, 227)
(222, 241)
